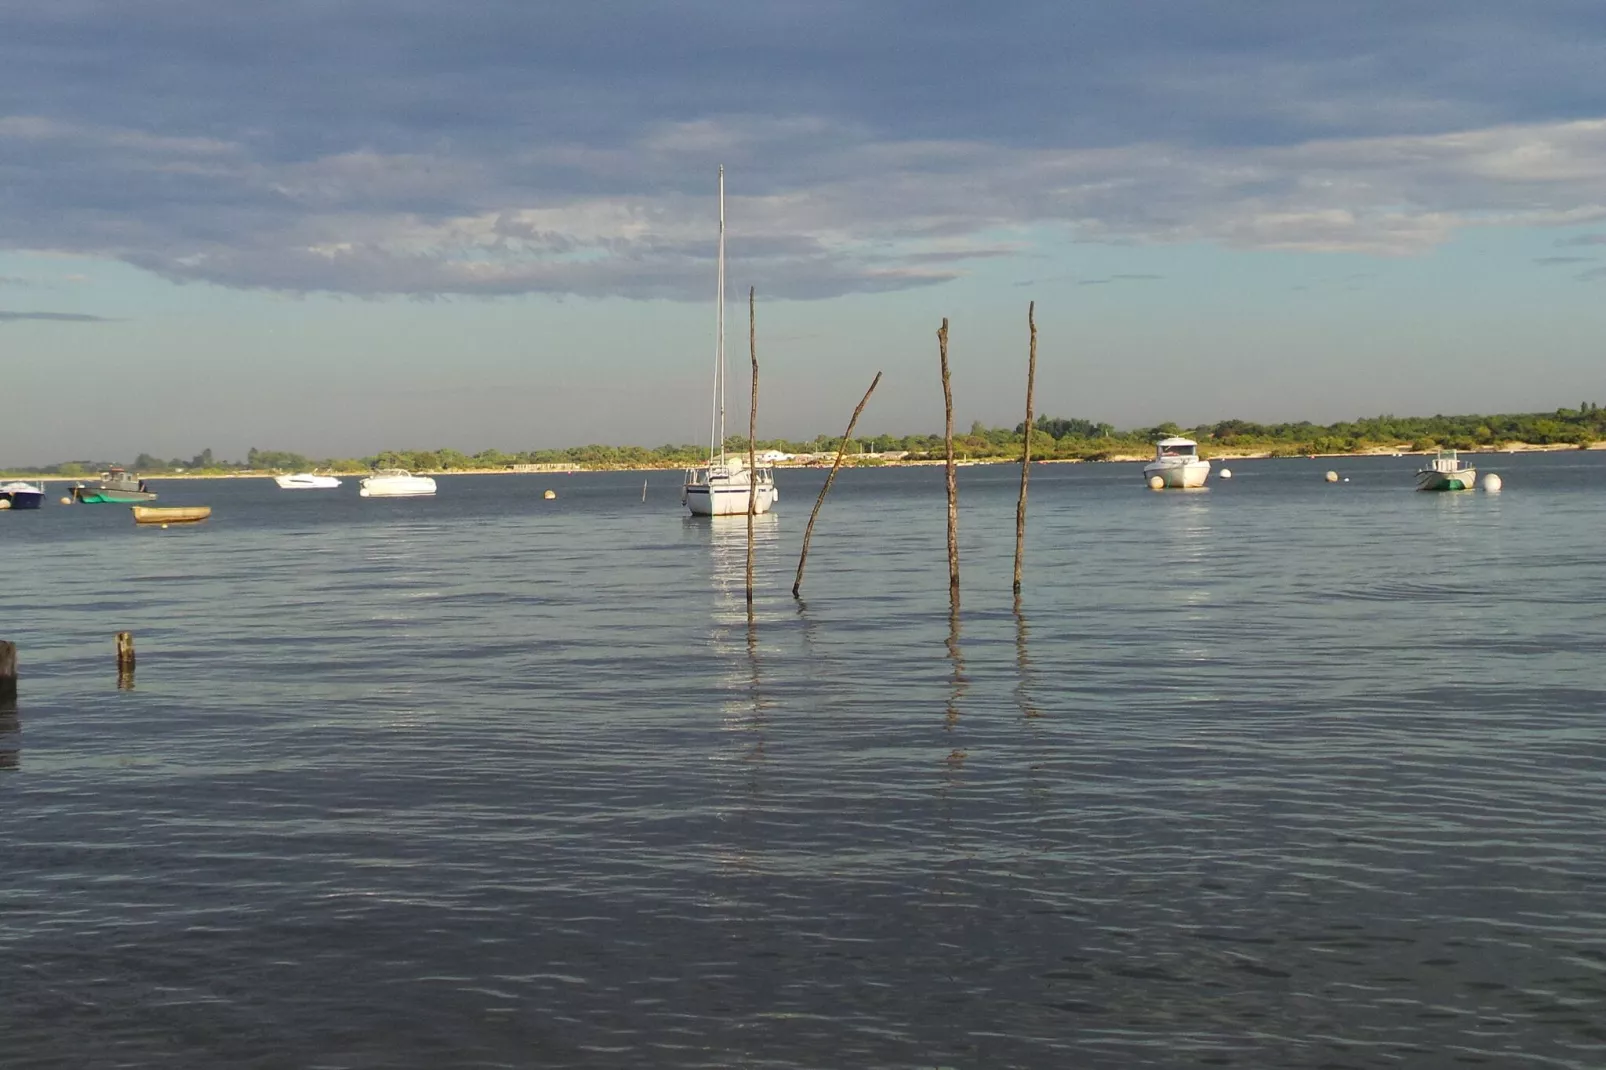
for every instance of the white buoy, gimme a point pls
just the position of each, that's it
(550, 494)
(1331, 477)
(1490, 481)
(1226, 473)
(5, 503)
(1155, 482)
(66, 501)
(1346, 479)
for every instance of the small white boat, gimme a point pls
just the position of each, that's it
(306, 481)
(1446, 471)
(1177, 463)
(396, 483)
(19, 495)
(725, 486)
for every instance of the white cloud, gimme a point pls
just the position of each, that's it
(868, 213)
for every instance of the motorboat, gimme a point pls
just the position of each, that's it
(114, 487)
(1177, 464)
(306, 481)
(1446, 471)
(396, 483)
(725, 486)
(19, 495)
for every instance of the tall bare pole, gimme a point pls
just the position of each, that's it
(752, 446)
(948, 448)
(1026, 450)
(716, 428)
(808, 533)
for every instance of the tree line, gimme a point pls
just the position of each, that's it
(1053, 437)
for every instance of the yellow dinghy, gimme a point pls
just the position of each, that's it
(170, 514)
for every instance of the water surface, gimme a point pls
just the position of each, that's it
(1279, 773)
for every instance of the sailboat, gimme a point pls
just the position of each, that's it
(725, 486)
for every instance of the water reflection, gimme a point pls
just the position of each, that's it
(1023, 666)
(958, 682)
(727, 537)
(10, 734)
(743, 705)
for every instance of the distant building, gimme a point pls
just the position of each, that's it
(772, 457)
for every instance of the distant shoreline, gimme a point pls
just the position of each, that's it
(848, 461)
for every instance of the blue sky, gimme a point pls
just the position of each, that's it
(340, 227)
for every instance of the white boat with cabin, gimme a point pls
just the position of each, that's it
(726, 486)
(396, 483)
(1177, 463)
(306, 481)
(1446, 471)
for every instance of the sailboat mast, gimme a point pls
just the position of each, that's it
(721, 313)
(714, 430)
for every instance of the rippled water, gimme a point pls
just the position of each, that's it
(1280, 773)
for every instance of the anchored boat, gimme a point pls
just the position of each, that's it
(170, 514)
(306, 481)
(1177, 463)
(116, 487)
(19, 495)
(725, 486)
(396, 483)
(1446, 471)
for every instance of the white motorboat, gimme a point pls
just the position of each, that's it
(306, 481)
(1177, 463)
(1446, 471)
(725, 486)
(396, 483)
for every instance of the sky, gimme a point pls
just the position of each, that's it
(340, 227)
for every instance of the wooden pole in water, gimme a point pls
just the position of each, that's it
(125, 658)
(948, 449)
(8, 672)
(808, 533)
(1026, 451)
(752, 447)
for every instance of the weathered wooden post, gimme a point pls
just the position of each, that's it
(1026, 451)
(125, 659)
(8, 674)
(808, 533)
(948, 448)
(752, 448)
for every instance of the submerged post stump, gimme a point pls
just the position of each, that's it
(8, 672)
(125, 659)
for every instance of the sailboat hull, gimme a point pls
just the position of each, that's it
(705, 500)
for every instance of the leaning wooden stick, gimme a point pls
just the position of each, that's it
(953, 485)
(752, 447)
(808, 532)
(1026, 450)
